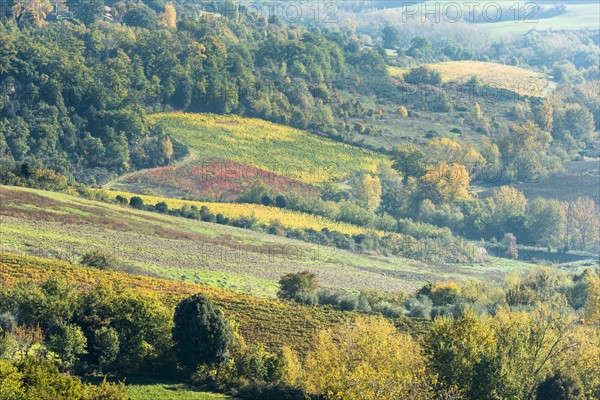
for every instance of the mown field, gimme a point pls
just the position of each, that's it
(493, 75)
(60, 226)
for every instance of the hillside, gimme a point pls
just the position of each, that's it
(271, 322)
(61, 226)
(229, 153)
(499, 76)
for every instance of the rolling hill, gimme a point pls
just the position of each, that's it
(57, 225)
(229, 153)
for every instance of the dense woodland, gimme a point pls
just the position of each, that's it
(77, 83)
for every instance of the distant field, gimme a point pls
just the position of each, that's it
(582, 179)
(514, 79)
(56, 225)
(577, 16)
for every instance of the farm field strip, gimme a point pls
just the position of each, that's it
(261, 320)
(263, 214)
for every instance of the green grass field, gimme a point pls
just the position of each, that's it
(43, 223)
(148, 389)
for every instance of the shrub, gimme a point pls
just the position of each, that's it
(100, 259)
(162, 207)
(388, 309)
(301, 287)
(348, 303)
(136, 202)
(419, 306)
(121, 200)
(201, 334)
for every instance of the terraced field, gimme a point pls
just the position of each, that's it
(60, 226)
(229, 153)
(492, 75)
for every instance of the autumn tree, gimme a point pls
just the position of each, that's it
(31, 12)
(583, 219)
(168, 18)
(409, 161)
(544, 115)
(167, 149)
(524, 152)
(443, 183)
(507, 211)
(369, 190)
(546, 221)
(402, 111)
(367, 359)
(451, 151)
(476, 112)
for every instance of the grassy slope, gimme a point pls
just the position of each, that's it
(280, 150)
(261, 320)
(151, 390)
(61, 226)
(515, 79)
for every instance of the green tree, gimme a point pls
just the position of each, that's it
(391, 37)
(200, 334)
(423, 75)
(69, 343)
(88, 11)
(298, 286)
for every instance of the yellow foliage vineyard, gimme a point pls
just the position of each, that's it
(271, 322)
(262, 214)
(279, 149)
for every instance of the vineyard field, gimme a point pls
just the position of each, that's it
(262, 214)
(261, 320)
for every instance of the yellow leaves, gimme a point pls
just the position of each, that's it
(592, 306)
(168, 19)
(366, 359)
(369, 191)
(508, 201)
(451, 151)
(445, 183)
